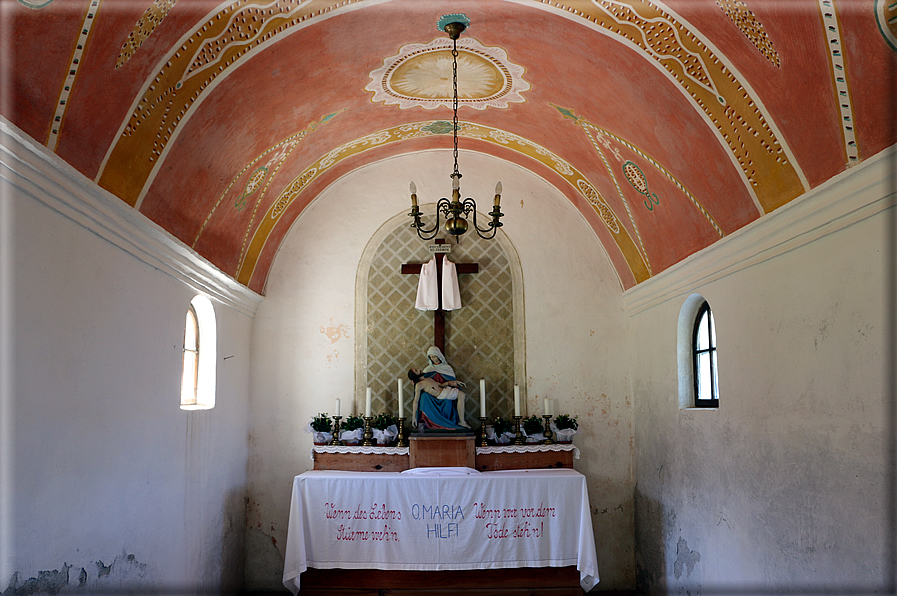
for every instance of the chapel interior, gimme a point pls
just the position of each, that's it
(652, 155)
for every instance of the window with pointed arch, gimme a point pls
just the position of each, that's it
(704, 360)
(696, 356)
(199, 366)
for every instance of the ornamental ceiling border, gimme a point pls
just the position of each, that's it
(600, 136)
(261, 173)
(223, 39)
(487, 78)
(771, 173)
(630, 251)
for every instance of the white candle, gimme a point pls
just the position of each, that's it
(367, 403)
(337, 407)
(517, 400)
(545, 405)
(483, 398)
(401, 398)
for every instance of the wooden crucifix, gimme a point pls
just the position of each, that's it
(439, 314)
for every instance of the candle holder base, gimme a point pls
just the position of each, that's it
(368, 433)
(483, 441)
(548, 440)
(518, 430)
(401, 442)
(335, 440)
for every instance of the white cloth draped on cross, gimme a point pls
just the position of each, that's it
(428, 287)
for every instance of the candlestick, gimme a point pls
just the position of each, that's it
(367, 403)
(401, 442)
(337, 407)
(401, 398)
(483, 442)
(482, 397)
(548, 440)
(335, 440)
(368, 433)
(518, 440)
(516, 401)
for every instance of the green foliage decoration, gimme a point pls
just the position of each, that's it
(321, 423)
(532, 425)
(562, 421)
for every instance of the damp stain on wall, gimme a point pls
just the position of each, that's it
(685, 558)
(125, 568)
(50, 582)
(335, 332)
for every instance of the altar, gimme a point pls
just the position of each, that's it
(440, 519)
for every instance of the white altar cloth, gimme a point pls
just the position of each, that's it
(436, 522)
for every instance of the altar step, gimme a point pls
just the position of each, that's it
(544, 581)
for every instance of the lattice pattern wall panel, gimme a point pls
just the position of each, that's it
(479, 336)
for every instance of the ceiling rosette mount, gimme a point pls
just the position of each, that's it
(420, 75)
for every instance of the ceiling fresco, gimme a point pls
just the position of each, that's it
(667, 124)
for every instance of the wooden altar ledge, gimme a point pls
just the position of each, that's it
(444, 451)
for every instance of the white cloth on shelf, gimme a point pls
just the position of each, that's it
(451, 295)
(427, 287)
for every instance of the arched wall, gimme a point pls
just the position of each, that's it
(485, 338)
(304, 337)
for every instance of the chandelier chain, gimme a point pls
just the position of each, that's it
(455, 102)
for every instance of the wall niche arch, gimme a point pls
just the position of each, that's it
(484, 339)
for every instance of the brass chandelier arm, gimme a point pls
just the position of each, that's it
(487, 233)
(443, 208)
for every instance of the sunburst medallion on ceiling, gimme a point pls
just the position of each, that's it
(420, 75)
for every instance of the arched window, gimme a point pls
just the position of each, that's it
(696, 355)
(704, 361)
(199, 370)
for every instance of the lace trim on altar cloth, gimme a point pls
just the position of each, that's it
(529, 449)
(359, 449)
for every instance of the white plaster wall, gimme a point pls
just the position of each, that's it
(785, 487)
(575, 335)
(102, 470)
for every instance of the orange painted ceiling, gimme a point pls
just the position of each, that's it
(668, 125)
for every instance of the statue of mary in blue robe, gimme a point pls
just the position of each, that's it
(444, 411)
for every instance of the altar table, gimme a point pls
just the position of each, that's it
(440, 519)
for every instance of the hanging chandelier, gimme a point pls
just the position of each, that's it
(455, 211)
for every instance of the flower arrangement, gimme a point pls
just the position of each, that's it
(321, 423)
(385, 429)
(384, 421)
(502, 426)
(320, 426)
(501, 431)
(532, 425)
(562, 421)
(353, 423)
(352, 430)
(533, 429)
(565, 426)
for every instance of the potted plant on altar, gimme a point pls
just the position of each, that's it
(321, 427)
(533, 429)
(564, 427)
(385, 429)
(501, 432)
(352, 430)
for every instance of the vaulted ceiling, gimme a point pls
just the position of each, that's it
(667, 124)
